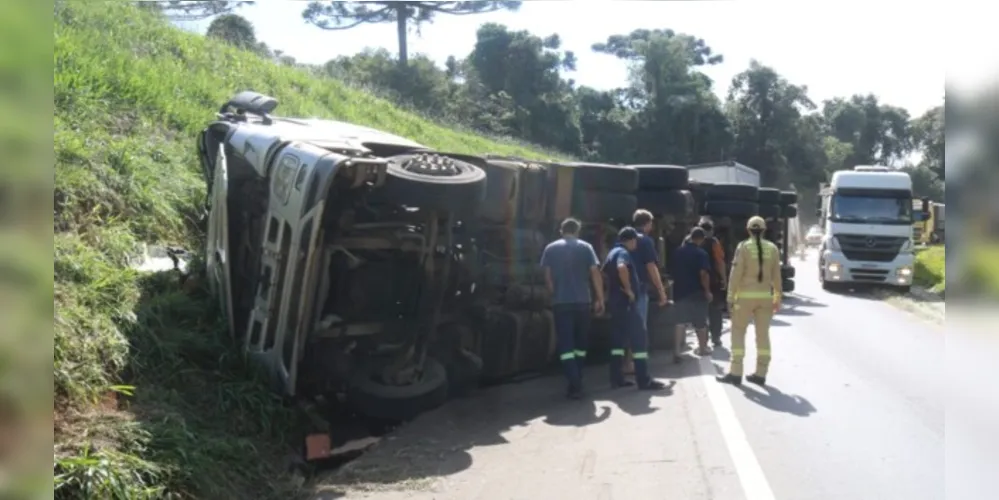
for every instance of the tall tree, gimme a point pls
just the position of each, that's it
(770, 134)
(879, 133)
(527, 68)
(345, 15)
(677, 117)
(234, 30)
(184, 10)
(928, 137)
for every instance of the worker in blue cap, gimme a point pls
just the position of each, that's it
(627, 327)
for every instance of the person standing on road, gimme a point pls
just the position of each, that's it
(754, 293)
(647, 265)
(571, 267)
(691, 292)
(716, 260)
(626, 320)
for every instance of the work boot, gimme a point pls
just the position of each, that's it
(717, 342)
(574, 393)
(621, 383)
(652, 385)
(735, 380)
(756, 379)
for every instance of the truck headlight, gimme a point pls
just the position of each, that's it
(905, 271)
(831, 243)
(834, 267)
(284, 178)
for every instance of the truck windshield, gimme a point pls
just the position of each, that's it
(871, 209)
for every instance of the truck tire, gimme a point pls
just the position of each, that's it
(769, 211)
(598, 176)
(655, 177)
(667, 202)
(731, 208)
(788, 197)
(390, 402)
(787, 272)
(411, 180)
(733, 192)
(789, 211)
(769, 196)
(787, 285)
(599, 205)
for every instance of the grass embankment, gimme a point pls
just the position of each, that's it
(150, 402)
(930, 271)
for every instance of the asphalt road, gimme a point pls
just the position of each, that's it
(854, 409)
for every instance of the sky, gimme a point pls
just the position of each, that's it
(896, 50)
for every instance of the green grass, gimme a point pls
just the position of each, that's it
(929, 270)
(150, 401)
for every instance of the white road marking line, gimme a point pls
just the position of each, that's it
(754, 482)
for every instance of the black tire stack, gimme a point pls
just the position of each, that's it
(787, 203)
(662, 190)
(603, 192)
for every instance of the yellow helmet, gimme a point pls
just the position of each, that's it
(756, 222)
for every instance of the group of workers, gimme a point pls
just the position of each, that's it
(576, 279)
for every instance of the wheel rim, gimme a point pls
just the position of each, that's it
(431, 165)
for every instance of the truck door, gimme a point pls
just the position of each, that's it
(217, 244)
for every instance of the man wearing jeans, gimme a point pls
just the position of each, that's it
(647, 266)
(570, 267)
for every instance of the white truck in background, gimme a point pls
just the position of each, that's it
(867, 216)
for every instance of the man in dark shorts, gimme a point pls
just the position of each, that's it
(570, 267)
(691, 292)
(624, 287)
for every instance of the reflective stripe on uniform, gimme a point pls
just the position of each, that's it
(737, 351)
(617, 352)
(640, 355)
(580, 354)
(763, 352)
(567, 356)
(754, 295)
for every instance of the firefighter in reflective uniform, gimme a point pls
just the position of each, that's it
(754, 294)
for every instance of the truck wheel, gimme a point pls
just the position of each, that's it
(787, 272)
(731, 208)
(789, 211)
(433, 182)
(610, 178)
(769, 196)
(768, 211)
(598, 205)
(787, 285)
(725, 192)
(788, 197)
(374, 399)
(654, 177)
(666, 202)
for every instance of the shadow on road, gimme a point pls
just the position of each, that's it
(772, 398)
(438, 443)
(799, 300)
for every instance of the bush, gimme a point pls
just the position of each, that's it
(930, 270)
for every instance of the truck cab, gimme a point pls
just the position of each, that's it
(867, 216)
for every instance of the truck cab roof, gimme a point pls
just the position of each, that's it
(870, 180)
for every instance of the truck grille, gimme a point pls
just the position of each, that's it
(870, 248)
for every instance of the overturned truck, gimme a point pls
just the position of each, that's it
(351, 261)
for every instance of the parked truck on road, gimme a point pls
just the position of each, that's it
(867, 216)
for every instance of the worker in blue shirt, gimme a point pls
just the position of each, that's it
(691, 270)
(626, 321)
(571, 266)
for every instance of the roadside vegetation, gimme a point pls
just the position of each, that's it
(930, 271)
(150, 402)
